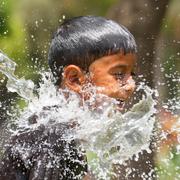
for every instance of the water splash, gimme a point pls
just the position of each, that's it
(113, 137)
(21, 86)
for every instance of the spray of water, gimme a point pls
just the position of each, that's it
(111, 136)
(21, 86)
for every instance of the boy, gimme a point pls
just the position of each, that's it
(98, 46)
(84, 50)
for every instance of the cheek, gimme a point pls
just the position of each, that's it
(108, 86)
(104, 81)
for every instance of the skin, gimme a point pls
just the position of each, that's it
(112, 75)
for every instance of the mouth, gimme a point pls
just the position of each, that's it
(120, 104)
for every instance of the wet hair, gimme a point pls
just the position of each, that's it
(82, 40)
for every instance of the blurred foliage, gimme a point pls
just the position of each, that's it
(168, 165)
(4, 13)
(171, 51)
(168, 149)
(13, 39)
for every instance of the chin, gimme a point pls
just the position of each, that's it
(120, 109)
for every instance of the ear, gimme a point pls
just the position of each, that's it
(74, 78)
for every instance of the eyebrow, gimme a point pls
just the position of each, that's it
(120, 66)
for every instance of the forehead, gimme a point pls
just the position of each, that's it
(113, 60)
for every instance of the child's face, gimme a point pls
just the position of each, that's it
(113, 74)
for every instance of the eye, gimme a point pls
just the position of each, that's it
(133, 74)
(118, 75)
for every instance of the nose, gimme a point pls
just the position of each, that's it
(129, 86)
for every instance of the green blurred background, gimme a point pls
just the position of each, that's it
(26, 28)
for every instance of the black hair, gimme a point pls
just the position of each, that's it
(82, 40)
